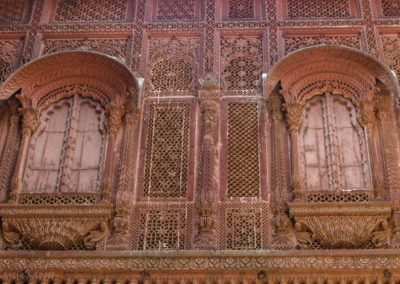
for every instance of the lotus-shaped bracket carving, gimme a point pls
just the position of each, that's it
(53, 227)
(341, 225)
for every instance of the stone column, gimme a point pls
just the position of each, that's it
(123, 201)
(30, 122)
(294, 120)
(113, 123)
(282, 238)
(10, 148)
(206, 207)
(389, 143)
(367, 118)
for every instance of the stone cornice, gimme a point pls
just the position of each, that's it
(199, 260)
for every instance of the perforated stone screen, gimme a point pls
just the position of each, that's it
(167, 151)
(298, 9)
(243, 149)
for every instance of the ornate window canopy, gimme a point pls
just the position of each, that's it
(337, 68)
(88, 73)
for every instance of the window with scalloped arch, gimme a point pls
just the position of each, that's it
(66, 152)
(332, 147)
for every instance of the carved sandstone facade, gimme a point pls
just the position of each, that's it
(199, 141)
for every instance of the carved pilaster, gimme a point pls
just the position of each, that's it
(294, 120)
(367, 118)
(123, 201)
(206, 207)
(282, 237)
(30, 122)
(10, 148)
(113, 123)
(389, 142)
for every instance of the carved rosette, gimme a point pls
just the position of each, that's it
(206, 208)
(341, 225)
(55, 227)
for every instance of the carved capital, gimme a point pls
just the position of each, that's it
(384, 104)
(293, 116)
(366, 113)
(114, 118)
(30, 120)
(275, 105)
(209, 82)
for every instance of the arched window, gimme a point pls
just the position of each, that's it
(332, 145)
(67, 150)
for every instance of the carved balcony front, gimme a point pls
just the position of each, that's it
(341, 225)
(54, 227)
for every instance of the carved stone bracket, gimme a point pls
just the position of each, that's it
(341, 225)
(54, 227)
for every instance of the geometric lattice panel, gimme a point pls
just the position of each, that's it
(300, 9)
(391, 8)
(172, 74)
(163, 226)
(243, 226)
(243, 148)
(167, 147)
(176, 10)
(13, 11)
(241, 9)
(90, 10)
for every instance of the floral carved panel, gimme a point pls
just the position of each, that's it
(241, 64)
(112, 47)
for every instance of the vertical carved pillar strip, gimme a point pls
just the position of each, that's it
(30, 122)
(368, 120)
(205, 238)
(113, 123)
(281, 236)
(123, 201)
(389, 147)
(294, 120)
(10, 149)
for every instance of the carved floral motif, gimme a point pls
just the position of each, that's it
(52, 227)
(346, 225)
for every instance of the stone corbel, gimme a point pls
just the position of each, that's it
(341, 225)
(55, 227)
(113, 123)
